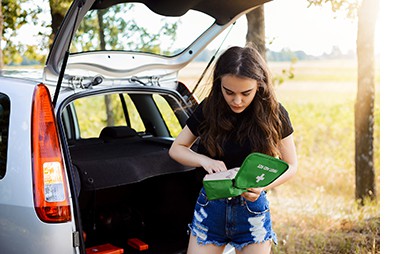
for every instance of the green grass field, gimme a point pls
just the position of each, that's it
(316, 211)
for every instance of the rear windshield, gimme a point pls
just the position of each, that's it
(134, 27)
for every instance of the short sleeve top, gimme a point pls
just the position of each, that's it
(234, 152)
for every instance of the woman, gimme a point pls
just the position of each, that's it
(241, 115)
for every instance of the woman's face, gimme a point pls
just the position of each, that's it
(238, 92)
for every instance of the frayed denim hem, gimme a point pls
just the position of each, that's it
(237, 246)
(200, 241)
(241, 246)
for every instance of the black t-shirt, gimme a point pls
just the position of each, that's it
(234, 152)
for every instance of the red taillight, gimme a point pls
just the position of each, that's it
(49, 181)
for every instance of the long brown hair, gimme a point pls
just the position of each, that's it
(262, 127)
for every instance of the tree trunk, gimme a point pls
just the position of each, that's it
(107, 98)
(364, 106)
(58, 9)
(100, 14)
(109, 110)
(256, 30)
(56, 19)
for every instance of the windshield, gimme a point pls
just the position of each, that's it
(134, 27)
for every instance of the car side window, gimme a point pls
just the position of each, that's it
(168, 115)
(134, 117)
(96, 112)
(4, 126)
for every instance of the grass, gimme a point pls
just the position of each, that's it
(316, 211)
(330, 71)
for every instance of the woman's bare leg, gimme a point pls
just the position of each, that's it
(256, 248)
(195, 248)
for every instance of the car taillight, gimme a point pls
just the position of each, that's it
(49, 180)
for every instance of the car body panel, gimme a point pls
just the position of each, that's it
(20, 229)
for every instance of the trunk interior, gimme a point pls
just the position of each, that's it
(129, 187)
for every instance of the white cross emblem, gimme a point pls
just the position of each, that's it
(260, 178)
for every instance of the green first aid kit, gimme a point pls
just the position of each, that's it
(257, 170)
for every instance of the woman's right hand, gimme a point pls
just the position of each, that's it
(211, 165)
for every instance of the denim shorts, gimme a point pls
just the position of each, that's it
(235, 220)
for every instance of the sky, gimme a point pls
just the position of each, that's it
(315, 30)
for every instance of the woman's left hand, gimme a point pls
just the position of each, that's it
(252, 194)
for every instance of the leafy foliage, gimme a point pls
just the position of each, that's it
(350, 6)
(60, 6)
(15, 15)
(110, 26)
(118, 32)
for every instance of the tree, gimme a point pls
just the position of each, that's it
(58, 9)
(115, 32)
(364, 106)
(256, 30)
(107, 97)
(256, 37)
(1, 33)
(13, 15)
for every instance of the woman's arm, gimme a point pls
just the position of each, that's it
(181, 152)
(288, 154)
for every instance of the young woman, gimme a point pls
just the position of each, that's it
(241, 115)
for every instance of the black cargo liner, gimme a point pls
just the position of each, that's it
(115, 163)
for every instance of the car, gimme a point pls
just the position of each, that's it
(84, 164)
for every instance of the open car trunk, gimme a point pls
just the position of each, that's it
(131, 188)
(126, 185)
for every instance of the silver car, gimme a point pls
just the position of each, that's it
(84, 163)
